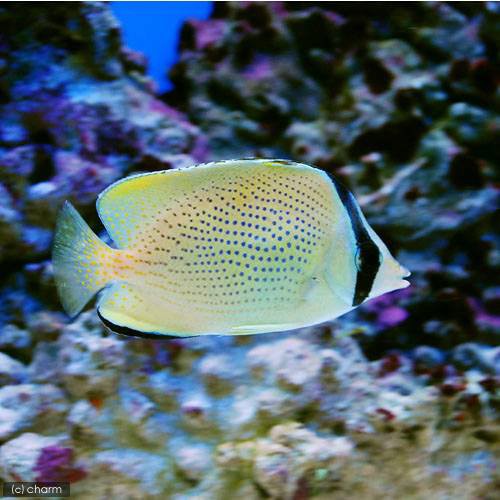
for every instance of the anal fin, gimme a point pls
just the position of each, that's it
(124, 311)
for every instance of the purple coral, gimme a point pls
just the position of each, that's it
(392, 316)
(55, 463)
(387, 309)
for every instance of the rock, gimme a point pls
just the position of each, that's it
(471, 355)
(274, 404)
(44, 324)
(218, 373)
(428, 357)
(193, 462)
(86, 423)
(136, 406)
(292, 362)
(298, 364)
(12, 421)
(305, 441)
(272, 471)
(280, 471)
(165, 388)
(10, 228)
(17, 164)
(44, 365)
(88, 362)
(142, 416)
(14, 338)
(33, 457)
(24, 406)
(11, 370)
(244, 412)
(157, 429)
(331, 362)
(138, 468)
(471, 125)
(235, 457)
(196, 411)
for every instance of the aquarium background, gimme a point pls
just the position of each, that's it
(153, 29)
(397, 399)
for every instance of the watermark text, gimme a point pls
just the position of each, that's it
(37, 489)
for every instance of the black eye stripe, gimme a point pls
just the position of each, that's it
(367, 258)
(367, 271)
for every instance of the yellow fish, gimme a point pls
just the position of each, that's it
(230, 247)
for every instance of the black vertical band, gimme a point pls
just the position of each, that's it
(368, 255)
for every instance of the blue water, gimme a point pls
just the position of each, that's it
(153, 29)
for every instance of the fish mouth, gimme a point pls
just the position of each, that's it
(404, 272)
(404, 284)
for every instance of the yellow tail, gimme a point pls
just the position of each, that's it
(79, 260)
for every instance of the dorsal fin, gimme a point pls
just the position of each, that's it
(127, 205)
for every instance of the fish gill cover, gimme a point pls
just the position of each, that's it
(401, 103)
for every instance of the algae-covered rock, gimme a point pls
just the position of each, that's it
(88, 362)
(144, 473)
(26, 406)
(33, 457)
(11, 370)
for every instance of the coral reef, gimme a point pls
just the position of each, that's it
(302, 415)
(398, 399)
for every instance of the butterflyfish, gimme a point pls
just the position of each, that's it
(224, 248)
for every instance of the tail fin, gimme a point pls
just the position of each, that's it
(77, 257)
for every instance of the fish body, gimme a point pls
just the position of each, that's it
(231, 247)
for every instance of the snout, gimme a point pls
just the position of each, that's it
(404, 272)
